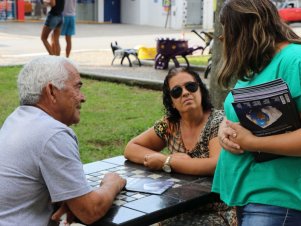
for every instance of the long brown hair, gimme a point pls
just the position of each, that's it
(251, 31)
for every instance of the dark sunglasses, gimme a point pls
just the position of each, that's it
(177, 91)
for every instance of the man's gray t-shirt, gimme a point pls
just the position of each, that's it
(39, 165)
(70, 8)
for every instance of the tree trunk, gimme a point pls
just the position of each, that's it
(217, 93)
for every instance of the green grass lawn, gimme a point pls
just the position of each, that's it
(111, 116)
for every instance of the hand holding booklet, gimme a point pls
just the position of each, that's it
(266, 109)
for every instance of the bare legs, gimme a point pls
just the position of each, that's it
(68, 45)
(55, 41)
(44, 36)
(53, 48)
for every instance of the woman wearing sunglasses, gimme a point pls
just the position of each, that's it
(189, 131)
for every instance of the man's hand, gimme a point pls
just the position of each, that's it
(114, 178)
(63, 209)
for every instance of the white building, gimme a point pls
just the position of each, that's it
(175, 14)
(162, 13)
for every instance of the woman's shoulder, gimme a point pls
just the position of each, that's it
(161, 126)
(215, 118)
(163, 120)
(294, 46)
(164, 128)
(217, 114)
(291, 51)
(211, 128)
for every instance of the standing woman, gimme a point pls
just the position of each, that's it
(258, 47)
(53, 23)
(189, 131)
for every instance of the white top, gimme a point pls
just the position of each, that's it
(70, 8)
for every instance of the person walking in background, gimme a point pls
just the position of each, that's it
(53, 23)
(40, 164)
(68, 28)
(258, 47)
(189, 131)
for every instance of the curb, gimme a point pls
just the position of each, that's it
(128, 80)
(143, 83)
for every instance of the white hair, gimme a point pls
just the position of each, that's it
(40, 71)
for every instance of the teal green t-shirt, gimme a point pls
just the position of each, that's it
(238, 178)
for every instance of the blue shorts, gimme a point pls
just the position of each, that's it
(68, 26)
(54, 21)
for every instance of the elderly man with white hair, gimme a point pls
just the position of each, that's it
(39, 159)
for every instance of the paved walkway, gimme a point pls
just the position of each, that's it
(20, 42)
(97, 65)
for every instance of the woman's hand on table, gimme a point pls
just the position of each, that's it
(154, 161)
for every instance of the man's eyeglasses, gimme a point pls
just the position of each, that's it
(177, 91)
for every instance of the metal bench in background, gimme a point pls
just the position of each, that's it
(121, 53)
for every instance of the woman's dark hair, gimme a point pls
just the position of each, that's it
(172, 114)
(252, 29)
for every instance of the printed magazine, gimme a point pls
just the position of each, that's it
(266, 109)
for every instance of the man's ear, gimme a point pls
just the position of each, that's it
(50, 92)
